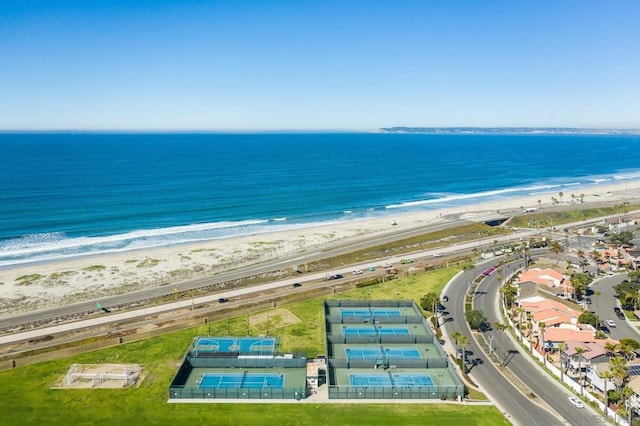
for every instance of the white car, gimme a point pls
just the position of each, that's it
(611, 324)
(357, 272)
(387, 265)
(438, 254)
(575, 401)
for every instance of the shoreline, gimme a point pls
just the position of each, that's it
(39, 285)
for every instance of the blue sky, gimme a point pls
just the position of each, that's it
(323, 65)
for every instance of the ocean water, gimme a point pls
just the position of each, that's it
(64, 195)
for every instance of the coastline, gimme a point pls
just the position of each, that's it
(40, 285)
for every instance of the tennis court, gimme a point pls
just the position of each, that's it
(386, 380)
(241, 381)
(368, 313)
(380, 353)
(244, 345)
(374, 331)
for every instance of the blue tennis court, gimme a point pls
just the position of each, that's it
(230, 344)
(370, 313)
(373, 331)
(241, 381)
(412, 380)
(380, 353)
(386, 380)
(381, 379)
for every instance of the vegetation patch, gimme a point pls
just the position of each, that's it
(28, 279)
(148, 263)
(62, 275)
(93, 268)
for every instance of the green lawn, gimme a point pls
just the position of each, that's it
(27, 399)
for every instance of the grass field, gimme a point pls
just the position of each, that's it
(26, 397)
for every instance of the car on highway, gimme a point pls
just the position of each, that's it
(611, 323)
(335, 277)
(387, 265)
(438, 254)
(576, 402)
(296, 285)
(357, 272)
(222, 300)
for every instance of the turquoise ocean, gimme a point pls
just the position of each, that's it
(65, 194)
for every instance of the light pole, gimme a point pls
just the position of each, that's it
(490, 344)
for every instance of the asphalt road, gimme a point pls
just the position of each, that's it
(519, 409)
(603, 306)
(520, 364)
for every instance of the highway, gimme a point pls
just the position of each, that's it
(520, 364)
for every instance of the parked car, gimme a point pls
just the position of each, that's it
(611, 323)
(576, 402)
(445, 298)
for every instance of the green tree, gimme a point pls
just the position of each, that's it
(623, 238)
(430, 302)
(588, 317)
(475, 318)
(580, 282)
(634, 276)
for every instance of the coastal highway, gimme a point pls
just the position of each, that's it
(339, 248)
(541, 384)
(519, 409)
(284, 262)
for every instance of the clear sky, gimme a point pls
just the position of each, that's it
(318, 65)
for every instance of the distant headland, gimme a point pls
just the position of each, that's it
(511, 130)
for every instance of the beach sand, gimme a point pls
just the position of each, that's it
(38, 286)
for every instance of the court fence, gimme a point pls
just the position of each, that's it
(396, 392)
(248, 362)
(389, 362)
(195, 392)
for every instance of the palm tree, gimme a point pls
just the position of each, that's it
(618, 367)
(501, 328)
(597, 295)
(563, 347)
(464, 341)
(539, 203)
(606, 375)
(611, 348)
(455, 336)
(530, 320)
(541, 327)
(556, 248)
(560, 194)
(581, 198)
(579, 351)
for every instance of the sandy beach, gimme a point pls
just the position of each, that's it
(39, 286)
